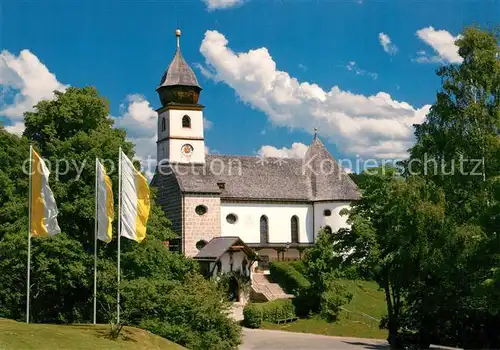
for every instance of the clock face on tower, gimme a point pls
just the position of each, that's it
(187, 149)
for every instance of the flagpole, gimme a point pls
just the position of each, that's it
(119, 233)
(28, 282)
(95, 245)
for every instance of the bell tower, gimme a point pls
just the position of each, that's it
(180, 119)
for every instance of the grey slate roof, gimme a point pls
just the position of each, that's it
(327, 178)
(217, 246)
(256, 178)
(179, 73)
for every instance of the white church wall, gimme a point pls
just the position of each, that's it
(247, 226)
(171, 140)
(175, 123)
(176, 155)
(335, 220)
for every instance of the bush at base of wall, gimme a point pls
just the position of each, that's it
(271, 311)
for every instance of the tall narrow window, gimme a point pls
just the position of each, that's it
(186, 122)
(294, 226)
(163, 124)
(264, 230)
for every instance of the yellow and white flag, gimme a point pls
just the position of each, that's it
(105, 210)
(43, 205)
(135, 202)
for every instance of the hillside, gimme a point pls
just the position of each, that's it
(359, 318)
(16, 335)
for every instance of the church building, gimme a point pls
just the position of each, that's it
(275, 206)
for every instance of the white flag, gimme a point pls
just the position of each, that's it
(43, 205)
(135, 204)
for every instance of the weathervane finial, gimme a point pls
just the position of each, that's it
(178, 35)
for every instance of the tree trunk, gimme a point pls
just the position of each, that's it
(391, 319)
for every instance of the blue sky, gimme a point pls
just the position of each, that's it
(273, 70)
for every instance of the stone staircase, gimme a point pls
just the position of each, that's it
(265, 290)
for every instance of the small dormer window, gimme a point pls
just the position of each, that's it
(163, 124)
(222, 185)
(186, 122)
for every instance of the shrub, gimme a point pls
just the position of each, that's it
(288, 277)
(299, 266)
(306, 303)
(277, 310)
(252, 316)
(332, 299)
(192, 314)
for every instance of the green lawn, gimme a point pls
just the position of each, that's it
(367, 299)
(16, 335)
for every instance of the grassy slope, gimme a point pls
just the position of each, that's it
(16, 335)
(367, 298)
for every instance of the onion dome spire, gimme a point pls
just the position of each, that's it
(179, 83)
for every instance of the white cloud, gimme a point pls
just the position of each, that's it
(302, 67)
(139, 119)
(222, 4)
(24, 81)
(297, 150)
(443, 43)
(387, 44)
(207, 124)
(352, 66)
(16, 128)
(372, 126)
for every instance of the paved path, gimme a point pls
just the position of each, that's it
(260, 339)
(237, 312)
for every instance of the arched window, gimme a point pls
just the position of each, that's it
(264, 230)
(186, 122)
(328, 230)
(294, 227)
(163, 124)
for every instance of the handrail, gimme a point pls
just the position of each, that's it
(267, 293)
(361, 313)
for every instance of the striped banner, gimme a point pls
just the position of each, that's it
(135, 201)
(43, 205)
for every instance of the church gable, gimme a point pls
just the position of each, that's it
(328, 180)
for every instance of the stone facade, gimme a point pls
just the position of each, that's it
(199, 227)
(170, 199)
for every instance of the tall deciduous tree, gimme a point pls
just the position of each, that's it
(394, 235)
(70, 132)
(463, 129)
(460, 144)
